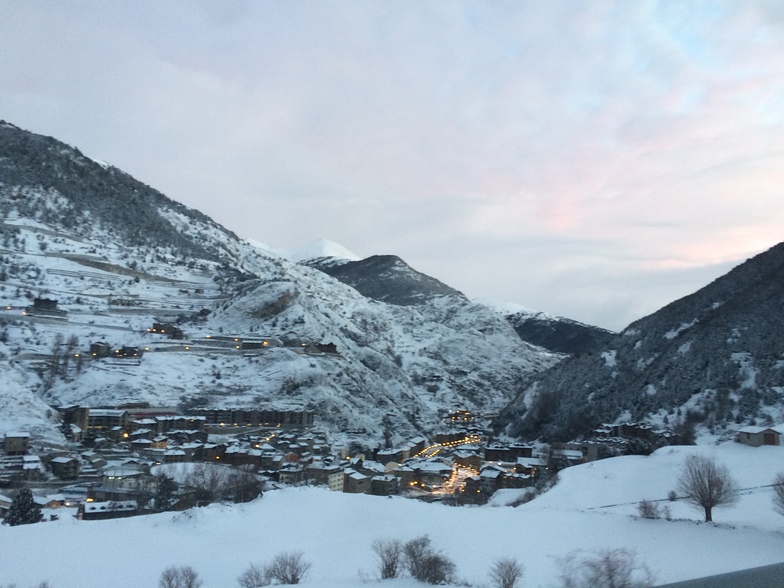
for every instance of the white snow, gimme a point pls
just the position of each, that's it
(677, 331)
(592, 507)
(506, 308)
(322, 248)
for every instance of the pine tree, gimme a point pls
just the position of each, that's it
(165, 489)
(23, 509)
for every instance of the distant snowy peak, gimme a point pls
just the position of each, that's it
(511, 308)
(321, 249)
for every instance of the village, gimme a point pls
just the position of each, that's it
(117, 457)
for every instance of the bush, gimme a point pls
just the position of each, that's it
(606, 568)
(182, 577)
(778, 493)
(506, 573)
(425, 564)
(254, 577)
(389, 553)
(288, 568)
(648, 509)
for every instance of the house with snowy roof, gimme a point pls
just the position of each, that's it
(354, 482)
(16, 443)
(64, 467)
(758, 436)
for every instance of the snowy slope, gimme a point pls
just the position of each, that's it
(335, 530)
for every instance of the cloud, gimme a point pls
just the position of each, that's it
(636, 139)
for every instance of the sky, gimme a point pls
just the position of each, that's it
(595, 160)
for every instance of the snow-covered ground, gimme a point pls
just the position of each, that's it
(335, 531)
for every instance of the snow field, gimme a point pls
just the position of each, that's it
(335, 531)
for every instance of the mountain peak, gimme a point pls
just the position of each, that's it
(386, 278)
(320, 249)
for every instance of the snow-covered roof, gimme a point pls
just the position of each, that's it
(107, 412)
(751, 430)
(63, 459)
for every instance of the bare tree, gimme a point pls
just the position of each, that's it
(210, 482)
(182, 577)
(389, 553)
(778, 493)
(706, 484)
(243, 484)
(254, 577)
(606, 568)
(506, 573)
(288, 567)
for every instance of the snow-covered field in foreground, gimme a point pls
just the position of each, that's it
(335, 531)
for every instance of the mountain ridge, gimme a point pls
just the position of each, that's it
(711, 359)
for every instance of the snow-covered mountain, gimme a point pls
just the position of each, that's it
(118, 256)
(714, 360)
(385, 278)
(554, 333)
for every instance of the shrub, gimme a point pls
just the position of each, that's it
(254, 577)
(648, 509)
(506, 573)
(288, 568)
(606, 568)
(778, 493)
(182, 577)
(425, 564)
(389, 553)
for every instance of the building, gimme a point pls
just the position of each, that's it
(355, 483)
(100, 349)
(245, 417)
(758, 436)
(167, 329)
(90, 511)
(16, 443)
(65, 468)
(385, 485)
(106, 419)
